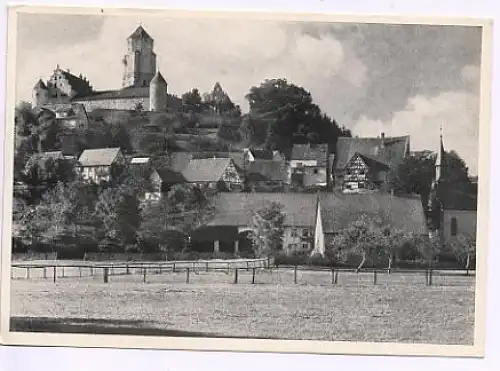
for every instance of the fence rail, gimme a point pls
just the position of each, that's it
(105, 270)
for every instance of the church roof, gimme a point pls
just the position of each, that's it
(140, 32)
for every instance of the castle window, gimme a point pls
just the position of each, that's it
(454, 226)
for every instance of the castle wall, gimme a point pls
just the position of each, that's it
(118, 104)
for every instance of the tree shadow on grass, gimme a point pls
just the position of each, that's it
(99, 326)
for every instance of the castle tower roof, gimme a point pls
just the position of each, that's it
(140, 33)
(40, 85)
(158, 79)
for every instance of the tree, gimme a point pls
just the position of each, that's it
(416, 173)
(184, 209)
(464, 248)
(393, 242)
(267, 230)
(295, 117)
(192, 102)
(117, 213)
(364, 237)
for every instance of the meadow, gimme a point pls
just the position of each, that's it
(400, 307)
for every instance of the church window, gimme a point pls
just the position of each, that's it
(454, 226)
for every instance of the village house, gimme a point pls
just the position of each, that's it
(97, 165)
(142, 168)
(311, 220)
(310, 166)
(266, 175)
(364, 164)
(213, 172)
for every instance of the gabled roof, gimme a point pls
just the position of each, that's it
(206, 169)
(140, 32)
(99, 156)
(318, 152)
(338, 210)
(79, 85)
(391, 152)
(267, 170)
(40, 85)
(262, 154)
(457, 199)
(372, 163)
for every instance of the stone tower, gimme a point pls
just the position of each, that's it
(40, 94)
(140, 60)
(158, 93)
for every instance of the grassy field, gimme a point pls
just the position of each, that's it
(399, 308)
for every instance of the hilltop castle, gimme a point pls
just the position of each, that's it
(143, 85)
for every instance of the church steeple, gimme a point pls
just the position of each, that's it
(439, 158)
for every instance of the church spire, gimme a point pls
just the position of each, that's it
(440, 157)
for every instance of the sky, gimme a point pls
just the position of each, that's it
(372, 78)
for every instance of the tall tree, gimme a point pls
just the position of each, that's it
(291, 114)
(184, 209)
(267, 230)
(464, 248)
(117, 213)
(192, 102)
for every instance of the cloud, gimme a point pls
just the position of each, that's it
(239, 54)
(457, 112)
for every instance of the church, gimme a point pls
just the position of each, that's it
(143, 87)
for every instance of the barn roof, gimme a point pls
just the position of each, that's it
(338, 209)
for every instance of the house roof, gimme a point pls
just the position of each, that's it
(373, 162)
(338, 210)
(237, 157)
(206, 169)
(140, 32)
(52, 154)
(139, 160)
(306, 152)
(262, 154)
(269, 170)
(457, 199)
(391, 152)
(98, 157)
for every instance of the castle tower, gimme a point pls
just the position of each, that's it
(40, 94)
(140, 60)
(158, 93)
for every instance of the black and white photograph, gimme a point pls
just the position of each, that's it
(249, 182)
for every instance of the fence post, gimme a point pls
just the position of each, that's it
(45, 272)
(55, 273)
(144, 275)
(333, 276)
(295, 274)
(92, 271)
(207, 265)
(426, 277)
(160, 269)
(236, 275)
(374, 276)
(336, 277)
(430, 277)
(253, 276)
(63, 271)
(173, 269)
(106, 273)
(128, 269)
(28, 273)
(187, 275)
(247, 265)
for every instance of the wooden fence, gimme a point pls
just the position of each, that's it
(59, 270)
